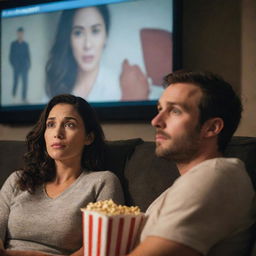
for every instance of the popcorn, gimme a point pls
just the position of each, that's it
(110, 229)
(108, 207)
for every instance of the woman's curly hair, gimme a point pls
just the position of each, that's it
(39, 167)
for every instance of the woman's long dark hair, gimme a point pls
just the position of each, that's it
(39, 167)
(61, 68)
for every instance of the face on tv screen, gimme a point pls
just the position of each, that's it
(104, 51)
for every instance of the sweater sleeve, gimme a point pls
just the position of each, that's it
(110, 188)
(6, 196)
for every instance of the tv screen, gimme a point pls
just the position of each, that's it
(113, 53)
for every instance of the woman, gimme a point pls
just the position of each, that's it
(74, 64)
(40, 205)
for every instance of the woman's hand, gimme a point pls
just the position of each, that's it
(134, 83)
(2, 252)
(25, 253)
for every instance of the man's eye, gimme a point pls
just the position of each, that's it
(175, 111)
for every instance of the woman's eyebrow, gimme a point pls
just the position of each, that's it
(82, 27)
(66, 118)
(77, 27)
(70, 118)
(51, 118)
(97, 25)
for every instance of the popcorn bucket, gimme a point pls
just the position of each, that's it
(105, 235)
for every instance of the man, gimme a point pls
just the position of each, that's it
(208, 210)
(20, 61)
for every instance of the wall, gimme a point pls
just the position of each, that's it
(248, 74)
(113, 131)
(220, 36)
(212, 37)
(217, 35)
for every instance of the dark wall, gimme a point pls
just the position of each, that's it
(212, 37)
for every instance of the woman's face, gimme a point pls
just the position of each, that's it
(88, 37)
(65, 135)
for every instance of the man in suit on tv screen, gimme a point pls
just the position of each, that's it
(20, 61)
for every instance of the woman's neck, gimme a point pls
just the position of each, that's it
(84, 82)
(66, 173)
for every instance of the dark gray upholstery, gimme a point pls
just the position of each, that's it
(142, 174)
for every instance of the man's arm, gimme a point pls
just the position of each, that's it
(80, 252)
(157, 246)
(28, 56)
(11, 54)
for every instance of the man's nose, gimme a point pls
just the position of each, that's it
(159, 120)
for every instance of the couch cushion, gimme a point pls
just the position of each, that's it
(11, 158)
(147, 176)
(118, 153)
(244, 148)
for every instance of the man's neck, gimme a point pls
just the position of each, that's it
(184, 167)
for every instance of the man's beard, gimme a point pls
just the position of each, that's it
(180, 150)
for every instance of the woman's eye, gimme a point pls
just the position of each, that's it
(96, 30)
(70, 125)
(77, 32)
(49, 124)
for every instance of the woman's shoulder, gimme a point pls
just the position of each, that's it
(100, 178)
(13, 177)
(11, 182)
(102, 175)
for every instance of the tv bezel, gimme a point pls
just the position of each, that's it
(121, 111)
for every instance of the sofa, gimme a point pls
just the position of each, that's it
(143, 175)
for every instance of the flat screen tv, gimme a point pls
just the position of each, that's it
(113, 53)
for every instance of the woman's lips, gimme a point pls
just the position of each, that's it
(58, 146)
(88, 58)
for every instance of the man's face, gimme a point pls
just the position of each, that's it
(177, 122)
(20, 35)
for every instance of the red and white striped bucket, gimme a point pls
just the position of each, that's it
(105, 235)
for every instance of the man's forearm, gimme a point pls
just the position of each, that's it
(80, 252)
(156, 246)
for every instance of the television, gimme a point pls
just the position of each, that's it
(113, 53)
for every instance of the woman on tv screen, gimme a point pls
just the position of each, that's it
(75, 61)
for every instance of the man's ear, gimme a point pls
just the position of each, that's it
(89, 139)
(212, 127)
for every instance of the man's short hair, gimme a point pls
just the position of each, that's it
(218, 100)
(20, 29)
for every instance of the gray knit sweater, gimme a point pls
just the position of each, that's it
(54, 226)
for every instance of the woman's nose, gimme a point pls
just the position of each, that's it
(59, 133)
(87, 41)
